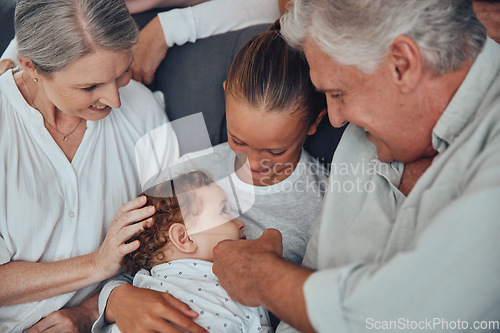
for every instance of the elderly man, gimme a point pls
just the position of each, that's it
(407, 239)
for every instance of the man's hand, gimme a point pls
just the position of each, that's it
(77, 319)
(236, 264)
(149, 52)
(138, 310)
(254, 273)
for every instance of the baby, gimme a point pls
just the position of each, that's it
(175, 255)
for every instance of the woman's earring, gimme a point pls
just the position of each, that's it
(36, 80)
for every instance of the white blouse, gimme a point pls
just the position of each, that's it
(52, 209)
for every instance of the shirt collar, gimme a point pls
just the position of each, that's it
(464, 104)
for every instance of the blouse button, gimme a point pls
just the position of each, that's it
(71, 214)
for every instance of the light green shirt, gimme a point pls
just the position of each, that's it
(427, 262)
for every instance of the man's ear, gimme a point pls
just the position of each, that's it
(405, 63)
(314, 126)
(179, 238)
(224, 85)
(28, 67)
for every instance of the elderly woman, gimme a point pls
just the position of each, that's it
(69, 123)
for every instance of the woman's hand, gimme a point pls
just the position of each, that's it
(76, 319)
(132, 217)
(65, 320)
(140, 310)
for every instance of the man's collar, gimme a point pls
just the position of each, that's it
(464, 104)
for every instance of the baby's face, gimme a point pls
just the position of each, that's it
(214, 223)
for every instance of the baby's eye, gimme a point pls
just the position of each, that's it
(225, 210)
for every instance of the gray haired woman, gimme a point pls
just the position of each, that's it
(69, 123)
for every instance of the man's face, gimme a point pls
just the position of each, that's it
(374, 102)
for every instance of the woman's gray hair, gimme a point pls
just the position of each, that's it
(55, 33)
(360, 32)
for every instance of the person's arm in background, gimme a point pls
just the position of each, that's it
(282, 6)
(9, 57)
(182, 25)
(139, 6)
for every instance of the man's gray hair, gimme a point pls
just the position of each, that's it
(55, 33)
(360, 32)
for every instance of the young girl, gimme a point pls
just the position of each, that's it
(192, 216)
(271, 107)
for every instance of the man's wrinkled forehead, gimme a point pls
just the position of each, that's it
(326, 74)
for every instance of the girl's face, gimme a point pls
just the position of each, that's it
(267, 144)
(88, 88)
(214, 223)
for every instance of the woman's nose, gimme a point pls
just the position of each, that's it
(111, 96)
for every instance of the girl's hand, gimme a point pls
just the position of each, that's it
(132, 217)
(139, 310)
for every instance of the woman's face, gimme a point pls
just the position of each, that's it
(88, 88)
(268, 144)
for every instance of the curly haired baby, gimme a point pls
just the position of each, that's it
(175, 254)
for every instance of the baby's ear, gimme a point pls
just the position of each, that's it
(179, 237)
